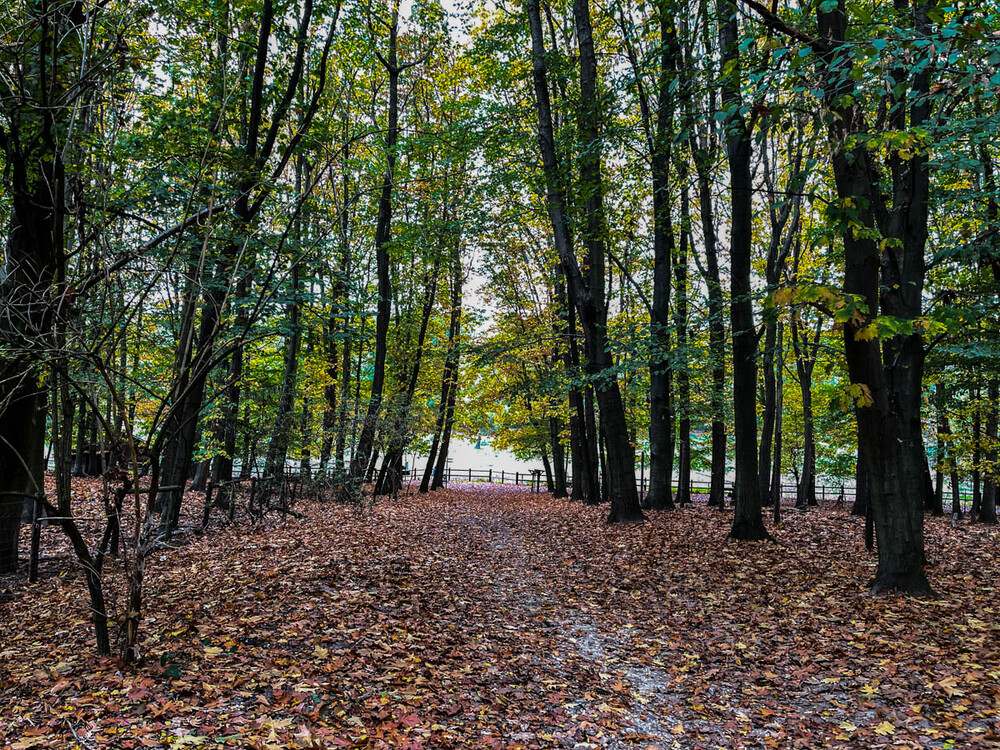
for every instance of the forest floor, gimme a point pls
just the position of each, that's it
(487, 617)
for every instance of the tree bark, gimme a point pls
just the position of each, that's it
(589, 298)
(683, 374)
(748, 523)
(383, 229)
(889, 406)
(661, 415)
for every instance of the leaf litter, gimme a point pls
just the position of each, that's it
(484, 616)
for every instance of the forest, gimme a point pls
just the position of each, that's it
(710, 264)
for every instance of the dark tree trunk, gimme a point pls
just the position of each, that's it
(775, 483)
(889, 379)
(549, 482)
(449, 378)
(661, 414)
(390, 480)
(449, 424)
(748, 523)
(589, 298)
(586, 418)
(716, 329)
(947, 456)
(683, 374)
(277, 449)
(339, 322)
(988, 504)
(558, 458)
(940, 459)
(805, 362)
(770, 413)
(977, 455)
(363, 451)
(80, 457)
(862, 491)
(579, 454)
(425, 482)
(201, 473)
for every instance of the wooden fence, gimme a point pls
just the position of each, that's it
(534, 479)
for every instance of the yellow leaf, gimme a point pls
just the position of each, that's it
(678, 728)
(848, 726)
(867, 333)
(885, 728)
(188, 740)
(783, 296)
(213, 650)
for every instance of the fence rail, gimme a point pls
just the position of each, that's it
(533, 478)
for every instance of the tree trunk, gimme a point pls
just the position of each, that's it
(890, 388)
(390, 479)
(748, 523)
(35, 183)
(589, 298)
(277, 449)
(716, 329)
(977, 454)
(661, 415)
(988, 504)
(558, 458)
(683, 374)
(805, 362)
(779, 398)
(770, 413)
(363, 451)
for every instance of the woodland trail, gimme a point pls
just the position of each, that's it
(487, 617)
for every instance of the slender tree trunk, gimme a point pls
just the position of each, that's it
(770, 413)
(977, 454)
(277, 450)
(716, 330)
(661, 415)
(451, 384)
(805, 361)
(683, 374)
(390, 479)
(449, 377)
(862, 493)
(748, 523)
(449, 423)
(779, 397)
(363, 451)
(988, 503)
(558, 458)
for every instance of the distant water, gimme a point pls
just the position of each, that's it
(465, 455)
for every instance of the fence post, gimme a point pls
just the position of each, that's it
(502, 476)
(490, 480)
(517, 477)
(470, 475)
